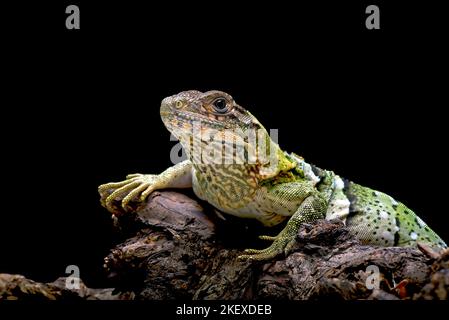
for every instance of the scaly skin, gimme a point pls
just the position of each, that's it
(269, 190)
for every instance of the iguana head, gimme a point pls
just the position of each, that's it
(214, 115)
(212, 109)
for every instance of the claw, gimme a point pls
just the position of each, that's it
(280, 245)
(111, 185)
(147, 192)
(125, 191)
(260, 255)
(119, 192)
(126, 200)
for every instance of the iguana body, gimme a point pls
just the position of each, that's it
(285, 187)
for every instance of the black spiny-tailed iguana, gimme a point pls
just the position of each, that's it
(269, 189)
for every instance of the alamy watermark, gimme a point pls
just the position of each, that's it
(203, 145)
(73, 19)
(72, 282)
(373, 280)
(372, 22)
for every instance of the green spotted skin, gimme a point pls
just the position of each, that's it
(376, 218)
(285, 188)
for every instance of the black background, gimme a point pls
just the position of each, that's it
(81, 107)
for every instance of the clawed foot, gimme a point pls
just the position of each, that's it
(136, 185)
(281, 245)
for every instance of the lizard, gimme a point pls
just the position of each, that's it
(282, 187)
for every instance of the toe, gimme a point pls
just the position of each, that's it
(268, 238)
(252, 251)
(126, 200)
(111, 185)
(133, 175)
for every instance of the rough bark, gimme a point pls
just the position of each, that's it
(176, 247)
(17, 287)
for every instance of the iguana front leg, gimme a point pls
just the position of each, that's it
(142, 185)
(312, 208)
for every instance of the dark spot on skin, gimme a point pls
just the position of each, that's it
(374, 233)
(377, 227)
(406, 212)
(209, 178)
(374, 194)
(386, 241)
(389, 229)
(396, 235)
(395, 206)
(427, 228)
(377, 201)
(369, 225)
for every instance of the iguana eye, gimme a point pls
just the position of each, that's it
(178, 104)
(220, 105)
